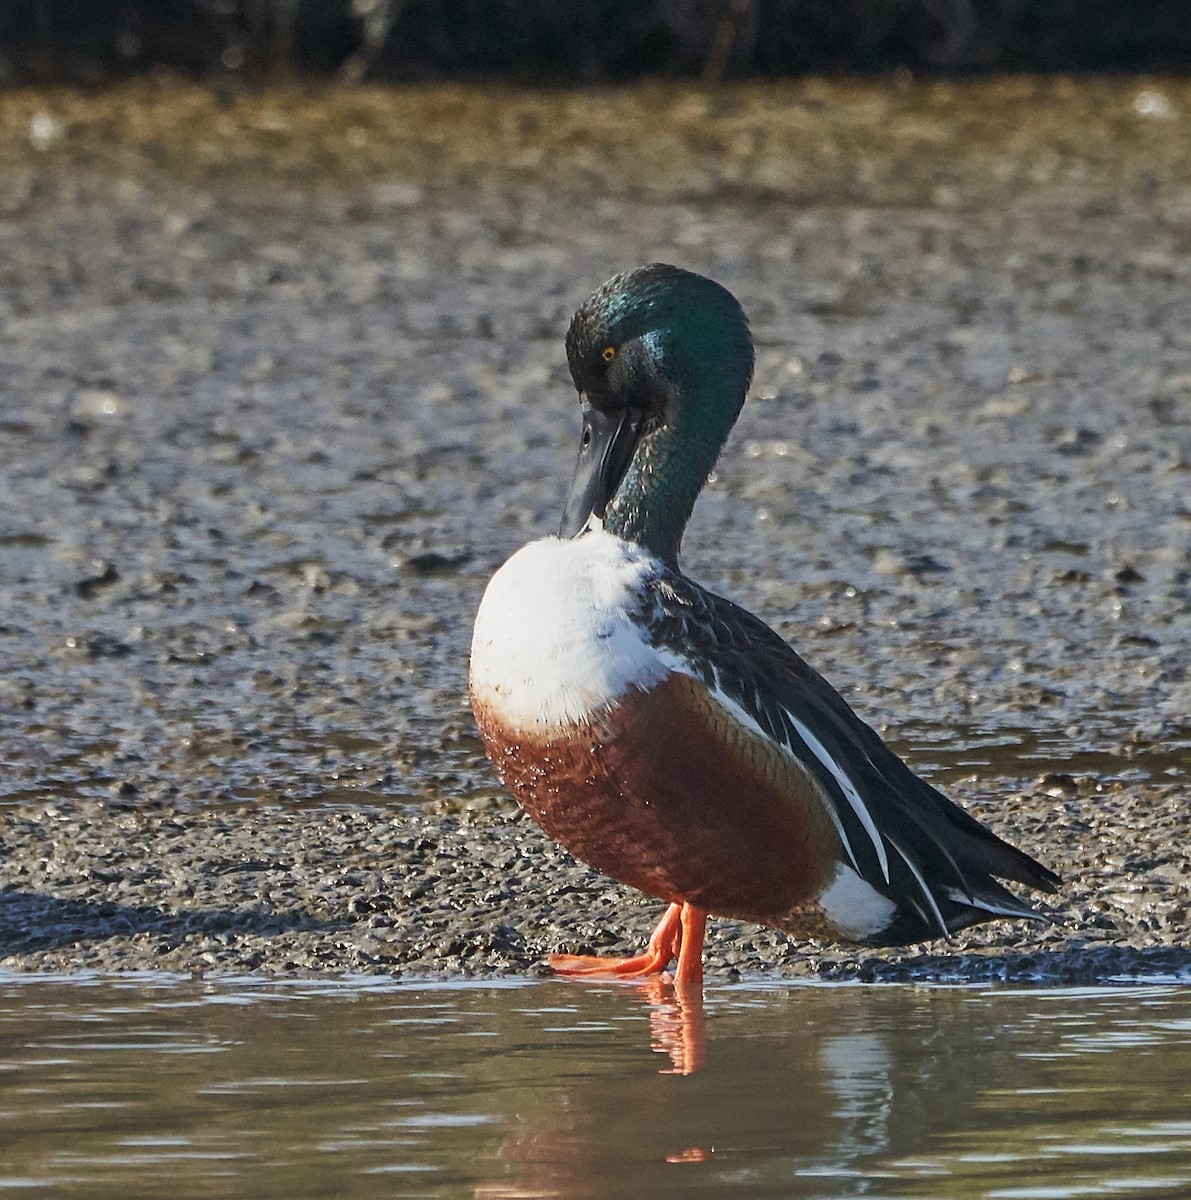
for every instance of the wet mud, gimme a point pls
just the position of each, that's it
(282, 382)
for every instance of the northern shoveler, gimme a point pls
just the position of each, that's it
(665, 735)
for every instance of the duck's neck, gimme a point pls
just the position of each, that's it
(658, 492)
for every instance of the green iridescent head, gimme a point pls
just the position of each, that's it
(662, 359)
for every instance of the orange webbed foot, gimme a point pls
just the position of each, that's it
(678, 935)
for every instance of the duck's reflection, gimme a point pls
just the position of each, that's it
(820, 1082)
(816, 1092)
(549, 1158)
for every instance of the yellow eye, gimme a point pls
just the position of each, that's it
(609, 353)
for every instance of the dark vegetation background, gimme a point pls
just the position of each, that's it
(582, 41)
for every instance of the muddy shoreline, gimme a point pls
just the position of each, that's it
(484, 893)
(281, 383)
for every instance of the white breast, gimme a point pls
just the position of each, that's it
(553, 641)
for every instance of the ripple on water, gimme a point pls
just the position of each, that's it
(255, 1087)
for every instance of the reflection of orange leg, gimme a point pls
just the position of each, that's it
(678, 1025)
(678, 935)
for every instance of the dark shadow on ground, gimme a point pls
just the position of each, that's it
(33, 921)
(1074, 966)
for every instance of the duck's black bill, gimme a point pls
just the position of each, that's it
(604, 454)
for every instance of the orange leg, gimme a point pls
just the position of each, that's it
(688, 975)
(678, 935)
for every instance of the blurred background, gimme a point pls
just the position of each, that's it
(561, 42)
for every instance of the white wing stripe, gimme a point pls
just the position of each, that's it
(985, 905)
(847, 787)
(922, 885)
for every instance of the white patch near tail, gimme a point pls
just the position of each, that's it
(855, 907)
(554, 642)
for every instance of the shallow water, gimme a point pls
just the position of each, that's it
(147, 1086)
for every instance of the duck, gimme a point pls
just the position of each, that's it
(665, 735)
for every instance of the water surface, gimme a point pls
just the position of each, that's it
(151, 1086)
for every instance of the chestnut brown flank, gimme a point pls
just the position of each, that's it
(670, 794)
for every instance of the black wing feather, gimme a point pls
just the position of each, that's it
(941, 861)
